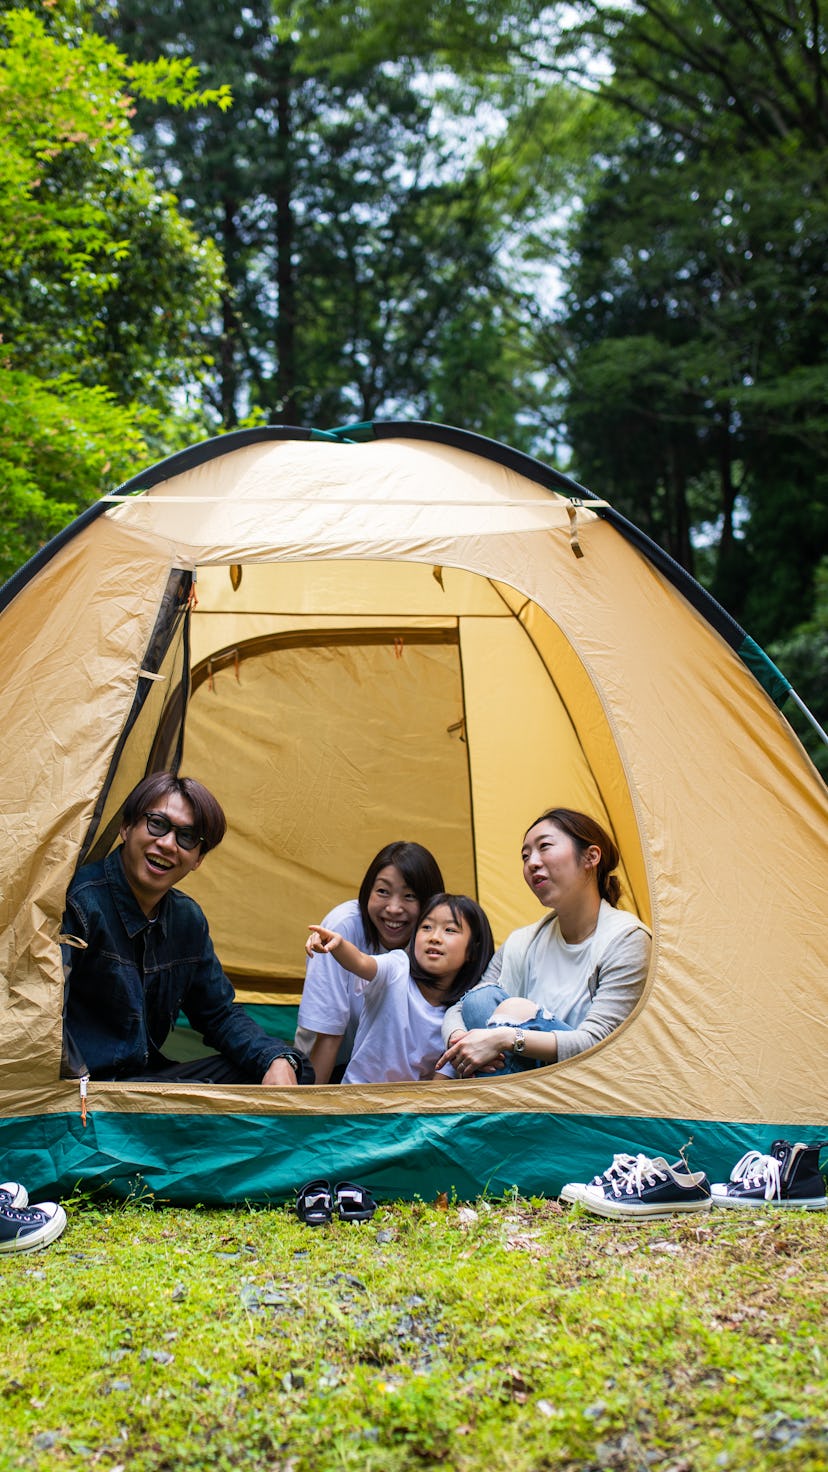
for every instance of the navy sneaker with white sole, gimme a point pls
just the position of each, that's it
(647, 1190)
(619, 1170)
(788, 1176)
(27, 1229)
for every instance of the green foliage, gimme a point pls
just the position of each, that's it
(696, 327)
(59, 443)
(505, 1334)
(64, 93)
(394, 197)
(105, 286)
(353, 213)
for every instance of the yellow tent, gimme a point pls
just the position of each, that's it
(406, 631)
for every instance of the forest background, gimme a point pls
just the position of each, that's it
(597, 232)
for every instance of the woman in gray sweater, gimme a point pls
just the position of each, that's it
(560, 986)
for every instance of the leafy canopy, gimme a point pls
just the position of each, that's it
(104, 284)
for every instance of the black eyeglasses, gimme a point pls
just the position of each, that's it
(158, 824)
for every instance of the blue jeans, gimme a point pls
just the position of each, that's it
(477, 1007)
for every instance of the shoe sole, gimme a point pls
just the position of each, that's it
(742, 1203)
(41, 1237)
(575, 1193)
(644, 1212)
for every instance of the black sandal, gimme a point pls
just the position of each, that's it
(314, 1205)
(354, 1203)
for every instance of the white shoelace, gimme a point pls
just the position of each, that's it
(618, 1171)
(642, 1172)
(754, 1170)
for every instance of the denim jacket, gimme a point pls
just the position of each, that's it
(128, 984)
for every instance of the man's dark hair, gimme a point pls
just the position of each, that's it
(208, 815)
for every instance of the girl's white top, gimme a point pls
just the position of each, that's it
(399, 1036)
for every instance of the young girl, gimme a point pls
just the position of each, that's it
(397, 883)
(399, 1035)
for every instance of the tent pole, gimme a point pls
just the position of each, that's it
(812, 718)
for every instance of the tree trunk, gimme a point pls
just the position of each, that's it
(286, 406)
(728, 488)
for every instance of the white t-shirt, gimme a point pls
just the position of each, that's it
(539, 963)
(557, 975)
(330, 1003)
(399, 1036)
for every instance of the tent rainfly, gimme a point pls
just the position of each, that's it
(405, 631)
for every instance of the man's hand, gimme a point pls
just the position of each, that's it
(281, 1074)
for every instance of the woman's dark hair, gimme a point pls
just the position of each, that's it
(481, 944)
(208, 815)
(586, 833)
(419, 869)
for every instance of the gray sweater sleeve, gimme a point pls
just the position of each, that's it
(616, 985)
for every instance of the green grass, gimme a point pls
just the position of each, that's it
(511, 1334)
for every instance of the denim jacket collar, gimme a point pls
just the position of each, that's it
(129, 910)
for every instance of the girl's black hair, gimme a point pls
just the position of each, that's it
(419, 869)
(480, 951)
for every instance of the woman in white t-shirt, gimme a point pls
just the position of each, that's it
(398, 882)
(399, 1035)
(560, 986)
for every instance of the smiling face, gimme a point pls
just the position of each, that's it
(442, 943)
(154, 865)
(393, 907)
(554, 868)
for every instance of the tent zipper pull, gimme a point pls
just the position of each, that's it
(83, 1082)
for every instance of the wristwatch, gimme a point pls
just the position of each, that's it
(295, 1061)
(519, 1042)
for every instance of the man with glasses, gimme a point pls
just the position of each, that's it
(137, 951)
